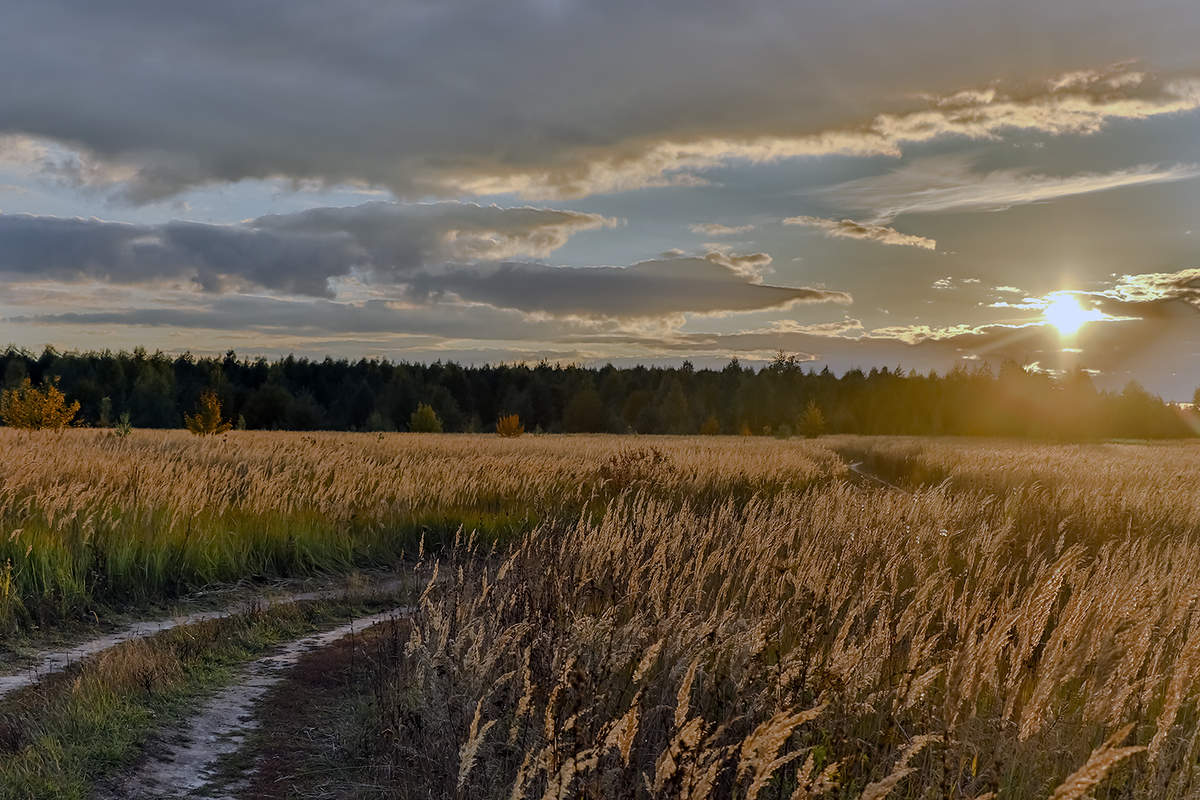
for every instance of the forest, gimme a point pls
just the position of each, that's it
(156, 390)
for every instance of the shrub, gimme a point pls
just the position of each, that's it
(509, 426)
(425, 420)
(711, 426)
(784, 431)
(812, 423)
(207, 420)
(33, 409)
(123, 427)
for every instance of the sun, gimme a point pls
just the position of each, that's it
(1066, 314)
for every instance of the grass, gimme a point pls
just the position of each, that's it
(59, 738)
(1011, 636)
(89, 522)
(687, 616)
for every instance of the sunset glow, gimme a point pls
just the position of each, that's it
(1067, 314)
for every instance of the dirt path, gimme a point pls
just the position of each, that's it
(188, 761)
(52, 661)
(310, 740)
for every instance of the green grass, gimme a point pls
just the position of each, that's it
(68, 577)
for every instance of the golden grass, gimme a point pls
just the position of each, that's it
(689, 616)
(86, 517)
(841, 640)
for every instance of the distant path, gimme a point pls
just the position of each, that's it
(187, 765)
(53, 661)
(857, 468)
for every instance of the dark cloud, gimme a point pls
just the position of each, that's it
(211, 255)
(295, 253)
(647, 289)
(306, 318)
(420, 251)
(564, 98)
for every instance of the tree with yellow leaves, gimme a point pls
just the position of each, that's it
(207, 420)
(32, 409)
(509, 426)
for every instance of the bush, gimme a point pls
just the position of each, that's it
(425, 420)
(123, 427)
(33, 409)
(812, 424)
(711, 426)
(509, 426)
(207, 420)
(784, 431)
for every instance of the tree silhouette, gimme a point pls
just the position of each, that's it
(372, 394)
(585, 413)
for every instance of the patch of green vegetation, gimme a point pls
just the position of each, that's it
(137, 563)
(59, 738)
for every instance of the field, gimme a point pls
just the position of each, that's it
(611, 617)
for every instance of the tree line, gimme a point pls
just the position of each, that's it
(157, 390)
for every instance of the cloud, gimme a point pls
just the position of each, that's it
(1154, 287)
(849, 229)
(317, 317)
(752, 266)
(646, 289)
(445, 99)
(949, 183)
(388, 250)
(717, 229)
(1075, 108)
(1156, 338)
(297, 253)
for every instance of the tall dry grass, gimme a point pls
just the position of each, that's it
(687, 617)
(89, 518)
(841, 641)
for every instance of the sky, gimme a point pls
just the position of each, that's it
(923, 184)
